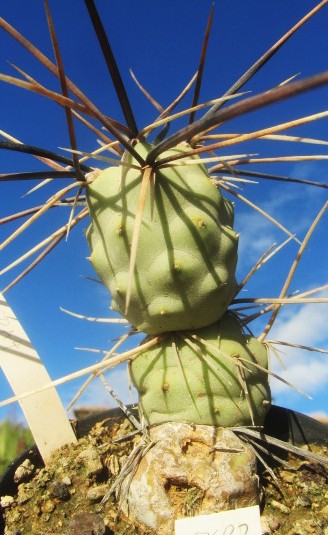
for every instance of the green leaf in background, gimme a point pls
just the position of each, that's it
(14, 439)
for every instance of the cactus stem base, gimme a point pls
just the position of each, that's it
(210, 467)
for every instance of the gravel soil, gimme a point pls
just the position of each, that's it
(66, 496)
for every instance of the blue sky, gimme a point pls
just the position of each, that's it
(162, 44)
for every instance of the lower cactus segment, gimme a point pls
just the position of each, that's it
(212, 376)
(186, 252)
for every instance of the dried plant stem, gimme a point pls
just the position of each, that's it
(276, 376)
(200, 70)
(124, 408)
(53, 68)
(271, 137)
(38, 214)
(264, 59)
(64, 88)
(235, 110)
(264, 132)
(298, 346)
(59, 232)
(279, 178)
(278, 159)
(271, 441)
(271, 306)
(96, 156)
(96, 320)
(46, 161)
(72, 104)
(169, 118)
(281, 300)
(100, 366)
(35, 262)
(95, 374)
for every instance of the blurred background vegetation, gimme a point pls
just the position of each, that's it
(14, 439)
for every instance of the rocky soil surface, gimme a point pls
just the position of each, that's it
(66, 496)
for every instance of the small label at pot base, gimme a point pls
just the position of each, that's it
(244, 521)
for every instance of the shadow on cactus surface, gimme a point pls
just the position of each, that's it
(162, 189)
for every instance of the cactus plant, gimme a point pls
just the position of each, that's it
(187, 250)
(162, 239)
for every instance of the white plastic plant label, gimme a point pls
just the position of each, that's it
(25, 371)
(246, 521)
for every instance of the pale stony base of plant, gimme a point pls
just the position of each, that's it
(65, 498)
(214, 462)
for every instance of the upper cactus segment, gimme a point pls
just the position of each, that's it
(184, 272)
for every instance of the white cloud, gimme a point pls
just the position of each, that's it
(306, 370)
(307, 326)
(309, 374)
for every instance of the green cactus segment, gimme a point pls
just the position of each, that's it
(184, 380)
(184, 274)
